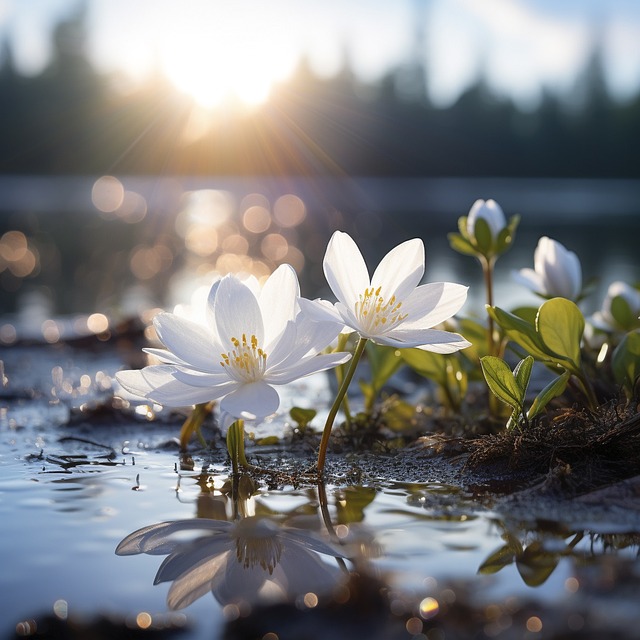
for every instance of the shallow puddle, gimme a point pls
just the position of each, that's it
(74, 489)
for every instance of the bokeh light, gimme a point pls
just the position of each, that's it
(289, 210)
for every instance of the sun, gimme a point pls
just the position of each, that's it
(225, 53)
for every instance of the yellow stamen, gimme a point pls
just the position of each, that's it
(247, 362)
(375, 313)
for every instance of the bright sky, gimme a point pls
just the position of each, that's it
(213, 48)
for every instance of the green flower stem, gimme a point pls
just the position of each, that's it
(343, 338)
(493, 349)
(487, 270)
(342, 392)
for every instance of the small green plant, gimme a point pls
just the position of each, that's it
(511, 387)
(553, 338)
(383, 363)
(447, 372)
(302, 417)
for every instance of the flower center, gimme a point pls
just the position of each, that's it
(376, 314)
(247, 362)
(257, 543)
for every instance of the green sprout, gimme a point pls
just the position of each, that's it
(553, 338)
(511, 387)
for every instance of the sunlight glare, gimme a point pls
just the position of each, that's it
(218, 55)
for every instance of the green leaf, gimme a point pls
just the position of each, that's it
(351, 503)
(522, 374)
(551, 391)
(384, 362)
(521, 332)
(625, 362)
(430, 365)
(461, 245)
(463, 227)
(528, 314)
(502, 382)
(369, 393)
(535, 564)
(397, 414)
(507, 235)
(621, 312)
(302, 417)
(499, 559)
(561, 324)
(483, 236)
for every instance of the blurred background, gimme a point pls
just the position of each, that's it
(148, 146)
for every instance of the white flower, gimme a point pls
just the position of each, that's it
(625, 319)
(491, 212)
(556, 273)
(389, 308)
(250, 560)
(249, 342)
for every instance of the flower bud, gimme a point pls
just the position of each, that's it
(489, 211)
(556, 273)
(620, 308)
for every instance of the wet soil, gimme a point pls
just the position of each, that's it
(572, 469)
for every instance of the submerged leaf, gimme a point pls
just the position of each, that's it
(499, 559)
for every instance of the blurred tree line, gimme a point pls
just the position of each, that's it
(71, 120)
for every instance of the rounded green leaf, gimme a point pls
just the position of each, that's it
(302, 417)
(621, 312)
(560, 325)
(502, 382)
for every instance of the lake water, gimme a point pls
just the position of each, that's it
(118, 245)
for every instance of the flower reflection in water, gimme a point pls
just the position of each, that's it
(247, 561)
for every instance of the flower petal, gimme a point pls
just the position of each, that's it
(426, 339)
(209, 380)
(236, 311)
(251, 401)
(157, 383)
(189, 341)
(431, 304)
(278, 301)
(530, 279)
(309, 338)
(345, 269)
(401, 270)
(320, 310)
(307, 366)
